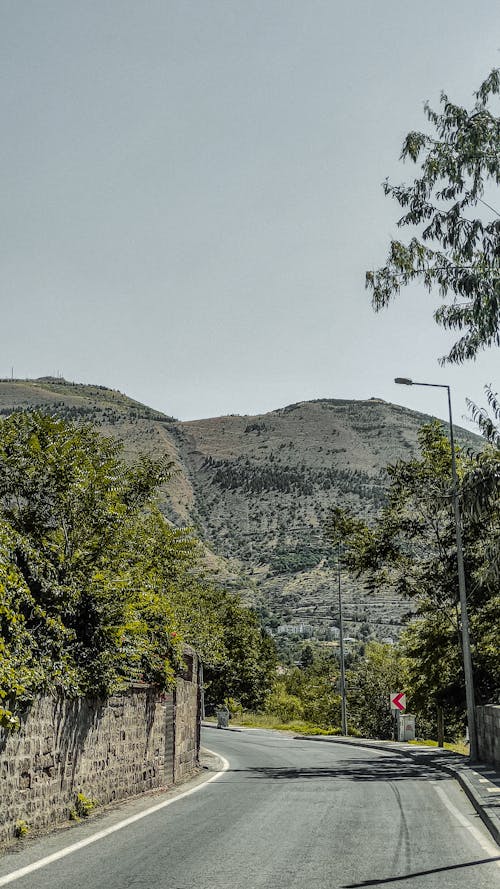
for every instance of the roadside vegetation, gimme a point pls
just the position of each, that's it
(97, 589)
(454, 251)
(411, 548)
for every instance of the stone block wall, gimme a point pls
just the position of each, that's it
(488, 733)
(133, 742)
(187, 719)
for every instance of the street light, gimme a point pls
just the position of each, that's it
(469, 680)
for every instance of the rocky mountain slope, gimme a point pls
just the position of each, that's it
(259, 488)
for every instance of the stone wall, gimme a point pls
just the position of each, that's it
(488, 733)
(133, 742)
(187, 720)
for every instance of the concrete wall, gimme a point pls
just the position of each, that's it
(488, 733)
(133, 742)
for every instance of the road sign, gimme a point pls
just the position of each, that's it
(398, 701)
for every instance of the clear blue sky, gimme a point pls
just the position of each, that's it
(191, 194)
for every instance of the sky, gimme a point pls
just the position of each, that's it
(191, 195)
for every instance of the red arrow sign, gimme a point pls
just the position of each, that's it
(398, 700)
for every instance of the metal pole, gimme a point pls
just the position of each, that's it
(342, 661)
(464, 620)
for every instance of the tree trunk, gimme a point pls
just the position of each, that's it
(440, 727)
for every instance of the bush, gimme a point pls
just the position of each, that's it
(284, 705)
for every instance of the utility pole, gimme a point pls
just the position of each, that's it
(342, 660)
(464, 619)
(469, 681)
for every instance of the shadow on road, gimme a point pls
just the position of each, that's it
(420, 873)
(388, 769)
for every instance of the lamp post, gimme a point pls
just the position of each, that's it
(464, 620)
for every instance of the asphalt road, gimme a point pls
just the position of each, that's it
(287, 814)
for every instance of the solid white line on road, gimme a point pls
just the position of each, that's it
(487, 845)
(43, 862)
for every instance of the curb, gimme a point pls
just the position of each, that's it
(227, 728)
(462, 773)
(210, 761)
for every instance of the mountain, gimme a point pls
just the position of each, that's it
(258, 489)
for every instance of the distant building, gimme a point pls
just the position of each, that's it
(292, 629)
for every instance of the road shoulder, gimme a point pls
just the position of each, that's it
(36, 847)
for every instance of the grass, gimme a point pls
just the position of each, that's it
(266, 720)
(458, 747)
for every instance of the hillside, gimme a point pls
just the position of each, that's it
(259, 488)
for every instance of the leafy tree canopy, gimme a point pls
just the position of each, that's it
(412, 549)
(96, 588)
(246, 668)
(382, 670)
(458, 249)
(489, 423)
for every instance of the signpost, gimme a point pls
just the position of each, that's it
(398, 706)
(398, 701)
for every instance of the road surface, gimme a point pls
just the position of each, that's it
(287, 814)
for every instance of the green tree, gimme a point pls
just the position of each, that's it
(382, 670)
(33, 638)
(246, 666)
(482, 489)
(314, 686)
(489, 423)
(76, 525)
(458, 251)
(96, 588)
(412, 549)
(306, 656)
(281, 703)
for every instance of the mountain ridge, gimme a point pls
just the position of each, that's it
(258, 487)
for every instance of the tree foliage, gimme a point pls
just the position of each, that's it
(488, 423)
(96, 588)
(458, 249)
(246, 667)
(412, 549)
(308, 692)
(372, 678)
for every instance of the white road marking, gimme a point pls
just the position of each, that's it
(43, 862)
(493, 789)
(487, 845)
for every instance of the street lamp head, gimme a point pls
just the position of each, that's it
(404, 381)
